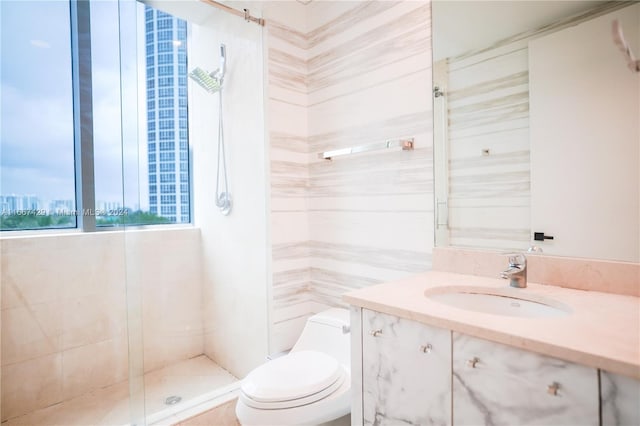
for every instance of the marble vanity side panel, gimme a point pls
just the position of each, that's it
(620, 399)
(508, 386)
(403, 384)
(356, 365)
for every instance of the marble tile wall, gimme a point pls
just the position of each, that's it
(370, 214)
(343, 74)
(286, 45)
(64, 311)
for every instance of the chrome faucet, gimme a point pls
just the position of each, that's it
(517, 270)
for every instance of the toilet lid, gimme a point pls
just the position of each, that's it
(296, 375)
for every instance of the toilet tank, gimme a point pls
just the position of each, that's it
(328, 332)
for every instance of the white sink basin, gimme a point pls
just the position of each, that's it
(497, 301)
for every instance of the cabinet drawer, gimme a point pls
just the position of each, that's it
(406, 371)
(500, 385)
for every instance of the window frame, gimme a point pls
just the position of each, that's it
(83, 140)
(83, 114)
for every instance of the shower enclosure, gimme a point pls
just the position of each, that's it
(125, 291)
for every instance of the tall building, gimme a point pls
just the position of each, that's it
(13, 203)
(167, 134)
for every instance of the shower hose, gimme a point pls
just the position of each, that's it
(223, 199)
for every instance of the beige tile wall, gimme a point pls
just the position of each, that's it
(344, 74)
(578, 273)
(64, 310)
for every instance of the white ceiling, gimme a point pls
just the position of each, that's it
(462, 26)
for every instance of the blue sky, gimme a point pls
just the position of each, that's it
(36, 145)
(36, 99)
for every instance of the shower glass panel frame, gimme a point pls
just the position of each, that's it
(66, 312)
(176, 368)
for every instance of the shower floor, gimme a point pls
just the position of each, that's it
(195, 380)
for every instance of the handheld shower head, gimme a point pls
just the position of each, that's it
(223, 59)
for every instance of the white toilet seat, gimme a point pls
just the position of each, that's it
(292, 403)
(297, 379)
(334, 406)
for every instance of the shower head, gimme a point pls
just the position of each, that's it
(211, 82)
(208, 81)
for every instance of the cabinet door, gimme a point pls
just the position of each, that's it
(620, 398)
(494, 384)
(406, 372)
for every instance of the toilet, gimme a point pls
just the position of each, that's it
(311, 385)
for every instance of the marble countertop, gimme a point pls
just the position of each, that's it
(601, 331)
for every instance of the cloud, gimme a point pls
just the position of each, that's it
(40, 43)
(37, 135)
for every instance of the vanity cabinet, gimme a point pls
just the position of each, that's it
(620, 399)
(406, 372)
(502, 385)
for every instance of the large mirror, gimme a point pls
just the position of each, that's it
(537, 127)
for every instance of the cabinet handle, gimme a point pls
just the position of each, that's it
(426, 348)
(472, 362)
(552, 389)
(375, 333)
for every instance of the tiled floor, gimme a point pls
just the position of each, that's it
(223, 415)
(192, 380)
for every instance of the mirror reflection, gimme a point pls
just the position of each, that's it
(537, 127)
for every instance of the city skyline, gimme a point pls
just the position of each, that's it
(24, 203)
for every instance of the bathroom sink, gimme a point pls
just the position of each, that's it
(497, 301)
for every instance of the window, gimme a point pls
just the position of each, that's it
(164, 35)
(37, 174)
(165, 103)
(167, 124)
(165, 81)
(165, 70)
(165, 59)
(166, 156)
(167, 146)
(39, 116)
(167, 136)
(165, 92)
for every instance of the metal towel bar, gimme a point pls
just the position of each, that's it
(405, 144)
